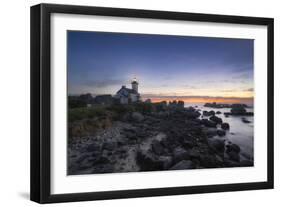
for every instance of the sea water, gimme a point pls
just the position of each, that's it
(240, 133)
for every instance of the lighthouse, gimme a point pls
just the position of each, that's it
(135, 85)
(129, 95)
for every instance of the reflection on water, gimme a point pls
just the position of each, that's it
(240, 133)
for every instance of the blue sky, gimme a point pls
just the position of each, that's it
(165, 66)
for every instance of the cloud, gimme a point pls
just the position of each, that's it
(105, 83)
(249, 90)
(189, 86)
(243, 75)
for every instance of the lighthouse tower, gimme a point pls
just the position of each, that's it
(135, 85)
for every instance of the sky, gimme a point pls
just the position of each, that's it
(193, 69)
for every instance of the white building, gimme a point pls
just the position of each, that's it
(127, 95)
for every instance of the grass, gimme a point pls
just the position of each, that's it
(114, 112)
(77, 114)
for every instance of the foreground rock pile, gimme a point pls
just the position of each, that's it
(165, 140)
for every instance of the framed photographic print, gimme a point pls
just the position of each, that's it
(133, 103)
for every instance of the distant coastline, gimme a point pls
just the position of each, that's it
(191, 99)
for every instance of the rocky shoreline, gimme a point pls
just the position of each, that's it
(169, 139)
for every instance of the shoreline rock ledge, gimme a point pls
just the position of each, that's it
(167, 138)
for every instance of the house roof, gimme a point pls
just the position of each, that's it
(128, 90)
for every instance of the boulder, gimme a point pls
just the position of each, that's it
(210, 132)
(99, 160)
(233, 151)
(246, 163)
(180, 154)
(230, 163)
(225, 126)
(232, 147)
(93, 147)
(110, 146)
(187, 144)
(157, 147)
(234, 156)
(208, 123)
(238, 110)
(192, 114)
(221, 132)
(82, 158)
(244, 120)
(138, 117)
(208, 113)
(218, 112)
(209, 161)
(148, 161)
(216, 119)
(217, 145)
(194, 153)
(167, 162)
(182, 165)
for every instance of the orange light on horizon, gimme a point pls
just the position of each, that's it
(202, 100)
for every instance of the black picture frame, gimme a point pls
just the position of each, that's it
(41, 98)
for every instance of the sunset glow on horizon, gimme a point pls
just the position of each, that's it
(204, 100)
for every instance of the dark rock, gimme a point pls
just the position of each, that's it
(157, 147)
(148, 161)
(166, 142)
(210, 132)
(187, 144)
(237, 114)
(232, 151)
(216, 119)
(215, 105)
(184, 164)
(194, 153)
(109, 146)
(192, 114)
(126, 117)
(93, 147)
(232, 147)
(208, 113)
(208, 123)
(238, 110)
(82, 158)
(108, 168)
(209, 161)
(138, 117)
(129, 129)
(166, 162)
(239, 105)
(221, 132)
(225, 126)
(123, 156)
(246, 163)
(131, 135)
(96, 153)
(180, 154)
(244, 120)
(99, 160)
(121, 143)
(122, 151)
(82, 167)
(230, 163)
(217, 144)
(218, 112)
(234, 156)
